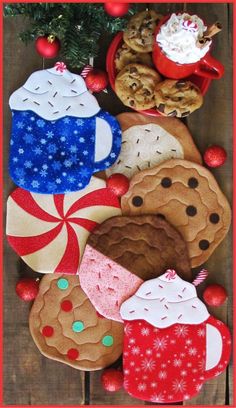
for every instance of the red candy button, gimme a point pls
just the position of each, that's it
(47, 331)
(66, 305)
(72, 354)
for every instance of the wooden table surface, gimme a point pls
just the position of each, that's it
(30, 378)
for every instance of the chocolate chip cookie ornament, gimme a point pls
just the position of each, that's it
(189, 197)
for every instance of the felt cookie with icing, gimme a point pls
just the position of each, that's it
(147, 141)
(49, 232)
(189, 197)
(66, 327)
(60, 136)
(172, 345)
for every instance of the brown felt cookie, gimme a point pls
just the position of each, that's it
(139, 33)
(147, 141)
(66, 327)
(135, 85)
(188, 195)
(177, 98)
(125, 56)
(145, 245)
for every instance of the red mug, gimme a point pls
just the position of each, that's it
(207, 66)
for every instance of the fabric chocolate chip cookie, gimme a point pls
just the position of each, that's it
(139, 34)
(135, 86)
(66, 327)
(125, 56)
(177, 98)
(188, 195)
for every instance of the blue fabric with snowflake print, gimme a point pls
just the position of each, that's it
(54, 157)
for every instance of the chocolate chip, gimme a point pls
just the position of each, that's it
(191, 211)
(192, 182)
(161, 107)
(166, 182)
(137, 201)
(185, 114)
(133, 70)
(180, 84)
(214, 218)
(161, 216)
(174, 113)
(134, 85)
(204, 244)
(131, 103)
(146, 92)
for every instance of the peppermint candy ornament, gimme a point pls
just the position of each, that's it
(190, 25)
(49, 232)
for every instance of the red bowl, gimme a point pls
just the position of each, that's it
(201, 82)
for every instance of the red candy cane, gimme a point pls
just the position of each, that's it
(200, 277)
(86, 70)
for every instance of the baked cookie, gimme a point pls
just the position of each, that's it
(177, 97)
(188, 195)
(139, 34)
(135, 85)
(66, 327)
(147, 141)
(145, 245)
(125, 56)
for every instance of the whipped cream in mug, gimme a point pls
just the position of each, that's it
(178, 38)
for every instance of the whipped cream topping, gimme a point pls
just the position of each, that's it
(164, 301)
(178, 38)
(54, 94)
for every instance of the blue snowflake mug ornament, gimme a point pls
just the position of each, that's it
(60, 136)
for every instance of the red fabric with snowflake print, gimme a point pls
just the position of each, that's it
(169, 365)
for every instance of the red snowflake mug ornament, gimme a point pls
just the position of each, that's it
(49, 232)
(172, 345)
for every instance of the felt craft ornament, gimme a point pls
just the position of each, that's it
(172, 344)
(60, 136)
(49, 232)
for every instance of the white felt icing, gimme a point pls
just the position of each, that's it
(53, 95)
(145, 146)
(103, 140)
(165, 301)
(214, 346)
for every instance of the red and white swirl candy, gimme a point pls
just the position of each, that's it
(49, 232)
(189, 25)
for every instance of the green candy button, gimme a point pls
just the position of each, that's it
(107, 341)
(62, 283)
(78, 326)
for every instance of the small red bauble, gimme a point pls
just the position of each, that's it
(112, 380)
(118, 183)
(96, 80)
(47, 46)
(215, 156)
(215, 295)
(116, 9)
(27, 289)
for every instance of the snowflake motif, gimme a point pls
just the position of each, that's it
(188, 342)
(20, 125)
(142, 386)
(198, 387)
(160, 343)
(37, 151)
(21, 182)
(51, 186)
(182, 355)
(177, 362)
(85, 152)
(71, 179)
(148, 364)
(183, 373)
(56, 165)
(43, 173)
(84, 173)
(162, 375)
(81, 163)
(44, 166)
(25, 113)
(75, 132)
(40, 123)
(163, 365)
(32, 119)
(81, 139)
(112, 155)
(28, 138)
(181, 331)
(35, 169)
(73, 148)
(28, 164)
(58, 181)
(126, 371)
(126, 354)
(80, 185)
(79, 122)
(73, 159)
(144, 377)
(192, 351)
(67, 163)
(153, 384)
(64, 174)
(229, 342)
(132, 364)
(29, 128)
(218, 373)
(62, 139)
(11, 142)
(35, 184)
(66, 120)
(128, 329)
(19, 172)
(220, 366)
(145, 331)
(158, 355)
(179, 385)
(195, 370)
(135, 351)
(172, 341)
(15, 159)
(202, 364)
(189, 365)
(50, 135)
(170, 397)
(186, 397)
(157, 398)
(149, 352)
(137, 370)
(201, 332)
(21, 151)
(52, 148)
(107, 164)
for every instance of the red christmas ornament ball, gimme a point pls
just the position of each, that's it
(215, 295)
(118, 183)
(215, 156)
(47, 46)
(116, 9)
(112, 380)
(96, 80)
(27, 289)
